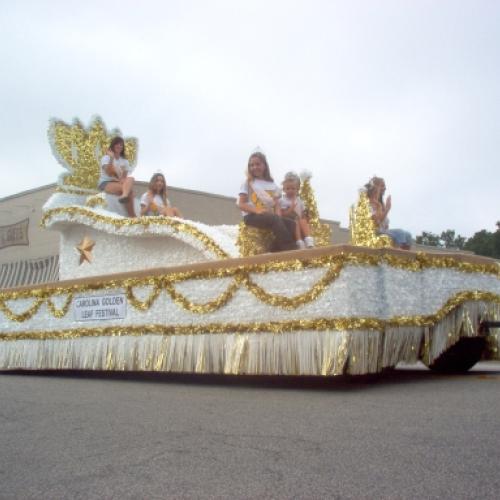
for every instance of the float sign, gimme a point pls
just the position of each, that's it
(98, 308)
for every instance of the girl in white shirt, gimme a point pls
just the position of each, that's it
(375, 190)
(259, 204)
(155, 202)
(114, 177)
(293, 208)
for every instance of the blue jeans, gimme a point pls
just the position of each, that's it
(399, 236)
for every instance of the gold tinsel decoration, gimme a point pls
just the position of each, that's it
(79, 150)
(96, 200)
(276, 327)
(144, 221)
(363, 227)
(333, 265)
(321, 232)
(253, 240)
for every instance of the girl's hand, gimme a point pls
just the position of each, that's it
(259, 210)
(388, 204)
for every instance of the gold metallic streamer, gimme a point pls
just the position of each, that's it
(322, 232)
(144, 305)
(60, 313)
(292, 302)
(20, 317)
(363, 227)
(145, 222)
(96, 200)
(277, 327)
(253, 241)
(207, 307)
(241, 274)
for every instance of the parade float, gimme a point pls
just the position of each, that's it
(173, 295)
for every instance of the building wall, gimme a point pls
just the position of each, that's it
(28, 204)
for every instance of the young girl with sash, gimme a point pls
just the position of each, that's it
(259, 204)
(155, 202)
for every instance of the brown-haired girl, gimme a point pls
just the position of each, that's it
(259, 203)
(114, 177)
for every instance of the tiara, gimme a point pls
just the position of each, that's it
(258, 149)
(291, 176)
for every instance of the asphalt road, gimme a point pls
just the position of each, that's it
(405, 434)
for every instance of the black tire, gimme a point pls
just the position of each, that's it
(461, 356)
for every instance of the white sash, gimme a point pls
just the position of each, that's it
(263, 196)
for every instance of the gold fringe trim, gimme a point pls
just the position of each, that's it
(298, 352)
(306, 353)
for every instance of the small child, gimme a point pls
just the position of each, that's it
(155, 202)
(293, 208)
(259, 203)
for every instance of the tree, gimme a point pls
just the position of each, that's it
(485, 243)
(452, 241)
(446, 240)
(429, 239)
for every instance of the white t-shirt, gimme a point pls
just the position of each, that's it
(260, 193)
(286, 203)
(120, 165)
(155, 205)
(384, 224)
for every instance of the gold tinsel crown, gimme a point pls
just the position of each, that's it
(79, 150)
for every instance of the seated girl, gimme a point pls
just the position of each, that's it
(155, 202)
(259, 203)
(114, 177)
(293, 208)
(375, 190)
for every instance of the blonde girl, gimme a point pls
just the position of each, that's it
(375, 190)
(293, 207)
(155, 202)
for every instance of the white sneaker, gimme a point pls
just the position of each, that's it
(300, 244)
(309, 241)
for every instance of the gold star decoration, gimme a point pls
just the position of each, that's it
(85, 248)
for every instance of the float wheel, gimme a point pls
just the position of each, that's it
(461, 356)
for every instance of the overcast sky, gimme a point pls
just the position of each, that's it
(407, 90)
